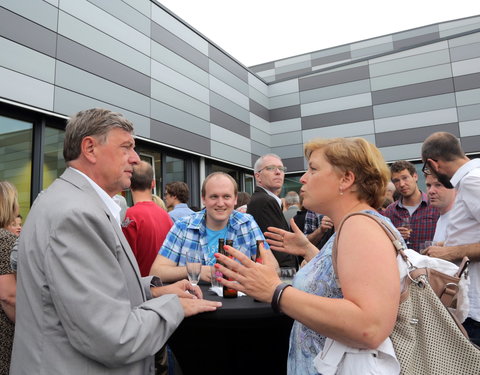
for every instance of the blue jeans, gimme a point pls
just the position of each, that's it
(473, 329)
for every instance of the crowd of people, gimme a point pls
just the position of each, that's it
(82, 283)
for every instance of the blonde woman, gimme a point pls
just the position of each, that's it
(8, 212)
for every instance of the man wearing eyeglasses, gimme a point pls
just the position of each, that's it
(265, 206)
(444, 158)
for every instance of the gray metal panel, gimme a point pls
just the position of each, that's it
(430, 73)
(337, 91)
(178, 99)
(416, 90)
(410, 63)
(227, 77)
(170, 77)
(14, 87)
(467, 82)
(470, 144)
(178, 64)
(177, 45)
(465, 52)
(225, 136)
(125, 13)
(469, 128)
(259, 97)
(229, 153)
(353, 129)
(334, 78)
(26, 61)
(101, 20)
(419, 134)
(286, 139)
(410, 42)
(141, 6)
(414, 120)
(259, 136)
(468, 97)
(180, 119)
(285, 113)
(294, 164)
(37, 11)
(465, 40)
(227, 62)
(428, 103)
(229, 107)
(293, 73)
(337, 104)
(286, 126)
(372, 50)
(262, 67)
(228, 92)
(299, 66)
(80, 32)
(290, 151)
(282, 88)
(469, 112)
(178, 137)
(228, 122)
(84, 58)
(258, 149)
(88, 84)
(284, 100)
(259, 110)
(462, 67)
(339, 117)
(27, 33)
(331, 58)
(69, 102)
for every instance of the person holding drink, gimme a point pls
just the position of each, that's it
(202, 230)
(344, 176)
(412, 213)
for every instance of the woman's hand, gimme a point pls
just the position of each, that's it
(295, 242)
(257, 280)
(181, 288)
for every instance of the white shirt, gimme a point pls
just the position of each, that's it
(464, 224)
(273, 195)
(113, 207)
(441, 228)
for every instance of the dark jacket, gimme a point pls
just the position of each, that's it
(267, 213)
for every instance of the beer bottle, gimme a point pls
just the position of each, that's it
(229, 292)
(258, 256)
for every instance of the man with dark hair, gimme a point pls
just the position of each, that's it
(81, 305)
(176, 198)
(412, 214)
(202, 230)
(265, 206)
(444, 158)
(146, 224)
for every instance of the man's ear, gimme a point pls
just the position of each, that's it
(152, 186)
(87, 149)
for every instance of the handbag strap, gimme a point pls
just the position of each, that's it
(396, 241)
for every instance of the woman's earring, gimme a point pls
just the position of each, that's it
(341, 191)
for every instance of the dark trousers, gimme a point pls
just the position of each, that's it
(473, 329)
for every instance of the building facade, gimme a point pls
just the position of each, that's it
(196, 109)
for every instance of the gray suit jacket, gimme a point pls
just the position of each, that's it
(81, 304)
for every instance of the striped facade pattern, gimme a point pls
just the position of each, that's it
(180, 89)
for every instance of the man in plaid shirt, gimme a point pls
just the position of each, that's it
(412, 214)
(203, 229)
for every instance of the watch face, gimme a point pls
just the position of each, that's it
(156, 281)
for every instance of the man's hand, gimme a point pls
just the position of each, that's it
(196, 306)
(405, 232)
(181, 288)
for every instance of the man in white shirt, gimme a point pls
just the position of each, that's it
(444, 157)
(441, 198)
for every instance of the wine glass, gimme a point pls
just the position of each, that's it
(194, 265)
(406, 224)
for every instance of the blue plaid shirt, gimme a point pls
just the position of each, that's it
(190, 232)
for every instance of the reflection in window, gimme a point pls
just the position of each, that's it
(53, 162)
(16, 158)
(174, 169)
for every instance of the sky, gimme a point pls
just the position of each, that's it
(260, 31)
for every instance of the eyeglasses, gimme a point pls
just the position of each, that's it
(426, 169)
(272, 168)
